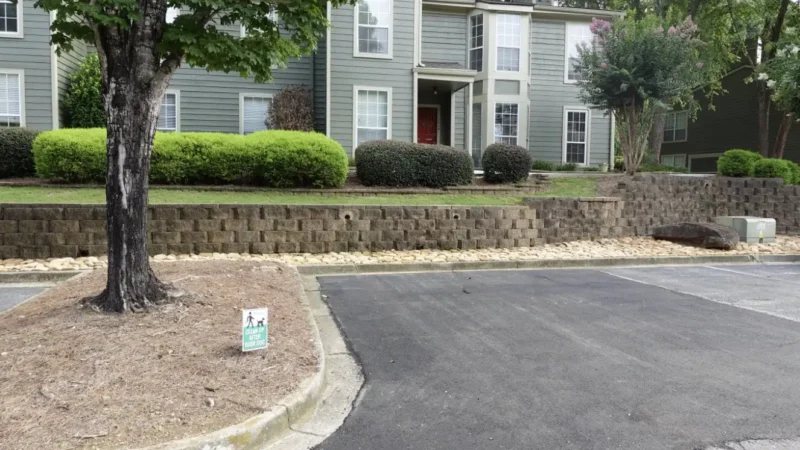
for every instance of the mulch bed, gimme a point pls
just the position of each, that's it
(73, 378)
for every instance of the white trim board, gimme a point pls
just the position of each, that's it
(54, 81)
(358, 54)
(587, 154)
(328, 73)
(242, 96)
(21, 73)
(388, 90)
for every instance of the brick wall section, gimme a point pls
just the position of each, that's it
(45, 231)
(651, 200)
(640, 203)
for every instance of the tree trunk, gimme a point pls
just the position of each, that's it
(763, 119)
(657, 135)
(783, 135)
(133, 80)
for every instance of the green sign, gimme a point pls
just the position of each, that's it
(254, 329)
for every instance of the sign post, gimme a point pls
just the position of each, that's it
(254, 329)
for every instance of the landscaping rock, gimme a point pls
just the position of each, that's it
(706, 235)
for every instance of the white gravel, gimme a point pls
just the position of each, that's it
(604, 248)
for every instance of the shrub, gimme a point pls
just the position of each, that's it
(795, 172)
(395, 163)
(294, 158)
(16, 152)
(505, 163)
(74, 155)
(619, 163)
(292, 109)
(737, 163)
(273, 158)
(83, 101)
(566, 167)
(546, 166)
(591, 169)
(774, 168)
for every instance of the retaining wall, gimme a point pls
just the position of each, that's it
(640, 203)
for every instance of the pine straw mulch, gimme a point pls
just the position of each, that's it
(71, 378)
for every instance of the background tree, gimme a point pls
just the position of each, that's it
(83, 101)
(781, 75)
(139, 52)
(635, 70)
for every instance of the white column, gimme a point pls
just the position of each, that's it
(414, 107)
(468, 115)
(452, 118)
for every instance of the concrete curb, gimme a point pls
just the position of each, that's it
(350, 269)
(38, 277)
(270, 426)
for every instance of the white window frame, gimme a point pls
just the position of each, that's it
(21, 74)
(20, 21)
(242, 96)
(177, 94)
(672, 159)
(673, 115)
(498, 32)
(388, 90)
(587, 154)
(569, 45)
(356, 52)
(494, 121)
(482, 47)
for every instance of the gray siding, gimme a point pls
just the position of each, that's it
(32, 54)
(209, 101)
(460, 118)
(549, 94)
(319, 86)
(67, 64)
(444, 37)
(348, 71)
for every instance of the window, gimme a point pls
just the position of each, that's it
(675, 126)
(373, 28)
(508, 42)
(254, 112)
(10, 18)
(577, 34)
(11, 99)
(476, 42)
(506, 118)
(168, 118)
(674, 160)
(576, 136)
(373, 114)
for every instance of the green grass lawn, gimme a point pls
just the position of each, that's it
(560, 187)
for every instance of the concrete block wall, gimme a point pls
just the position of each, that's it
(640, 203)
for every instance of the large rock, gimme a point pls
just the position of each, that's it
(706, 235)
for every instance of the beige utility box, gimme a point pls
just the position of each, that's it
(752, 230)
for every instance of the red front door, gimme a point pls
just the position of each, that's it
(427, 124)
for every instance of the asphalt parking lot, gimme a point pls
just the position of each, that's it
(12, 295)
(627, 358)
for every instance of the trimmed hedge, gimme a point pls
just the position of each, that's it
(271, 158)
(795, 172)
(16, 152)
(542, 165)
(505, 163)
(396, 163)
(774, 168)
(566, 167)
(737, 163)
